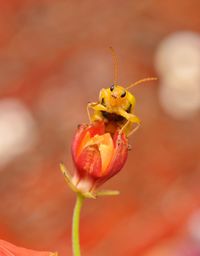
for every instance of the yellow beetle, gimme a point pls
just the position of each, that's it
(116, 104)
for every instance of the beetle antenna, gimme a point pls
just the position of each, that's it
(142, 81)
(115, 62)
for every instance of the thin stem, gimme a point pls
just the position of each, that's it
(75, 225)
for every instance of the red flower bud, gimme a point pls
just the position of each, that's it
(97, 155)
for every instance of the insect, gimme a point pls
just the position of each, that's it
(116, 104)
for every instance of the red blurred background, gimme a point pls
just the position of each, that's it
(54, 58)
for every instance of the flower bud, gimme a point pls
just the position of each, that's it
(98, 155)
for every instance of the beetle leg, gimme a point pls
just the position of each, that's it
(95, 106)
(131, 119)
(99, 107)
(128, 129)
(89, 105)
(133, 130)
(128, 116)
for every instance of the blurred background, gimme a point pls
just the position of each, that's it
(54, 58)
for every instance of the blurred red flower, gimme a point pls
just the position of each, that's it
(8, 249)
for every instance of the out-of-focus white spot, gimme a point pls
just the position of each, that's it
(17, 130)
(179, 102)
(178, 65)
(194, 226)
(179, 51)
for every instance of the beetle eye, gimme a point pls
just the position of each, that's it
(123, 94)
(112, 87)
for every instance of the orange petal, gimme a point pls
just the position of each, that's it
(120, 153)
(118, 159)
(89, 162)
(83, 133)
(106, 148)
(80, 134)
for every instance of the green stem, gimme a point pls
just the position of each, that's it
(75, 225)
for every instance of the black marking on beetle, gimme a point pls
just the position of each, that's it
(112, 117)
(123, 94)
(129, 108)
(103, 102)
(112, 87)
